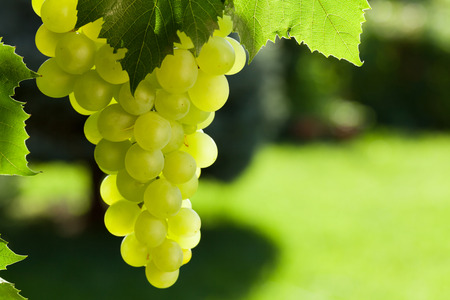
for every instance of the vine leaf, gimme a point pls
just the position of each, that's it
(148, 28)
(7, 257)
(332, 27)
(8, 291)
(13, 150)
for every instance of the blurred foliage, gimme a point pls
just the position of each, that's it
(51, 194)
(403, 82)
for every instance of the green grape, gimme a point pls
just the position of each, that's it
(185, 223)
(202, 147)
(198, 172)
(149, 230)
(76, 107)
(108, 66)
(168, 256)
(133, 252)
(151, 78)
(54, 82)
(75, 53)
(207, 122)
(143, 165)
(46, 40)
(240, 59)
(110, 156)
(91, 129)
(152, 131)
(108, 190)
(187, 255)
(225, 26)
(195, 116)
(185, 41)
(92, 30)
(120, 217)
(130, 188)
(179, 167)
(115, 124)
(172, 106)
(176, 137)
(188, 188)
(142, 101)
(158, 278)
(186, 242)
(37, 4)
(92, 92)
(209, 92)
(216, 57)
(162, 198)
(59, 15)
(178, 72)
(189, 129)
(186, 203)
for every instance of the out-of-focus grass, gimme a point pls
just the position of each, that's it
(369, 219)
(61, 188)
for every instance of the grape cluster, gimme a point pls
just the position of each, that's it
(150, 144)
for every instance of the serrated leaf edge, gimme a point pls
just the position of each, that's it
(33, 74)
(3, 281)
(229, 9)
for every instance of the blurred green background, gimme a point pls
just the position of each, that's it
(331, 181)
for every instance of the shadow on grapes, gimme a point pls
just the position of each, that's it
(226, 264)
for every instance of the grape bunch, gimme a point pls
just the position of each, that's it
(150, 144)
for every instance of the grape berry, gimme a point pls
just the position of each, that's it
(151, 145)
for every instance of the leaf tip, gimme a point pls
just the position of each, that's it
(34, 74)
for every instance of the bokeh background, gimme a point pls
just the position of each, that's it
(331, 181)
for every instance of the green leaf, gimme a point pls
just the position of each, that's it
(147, 28)
(332, 27)
(8, 291)
(13, 150)
(7, 257)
